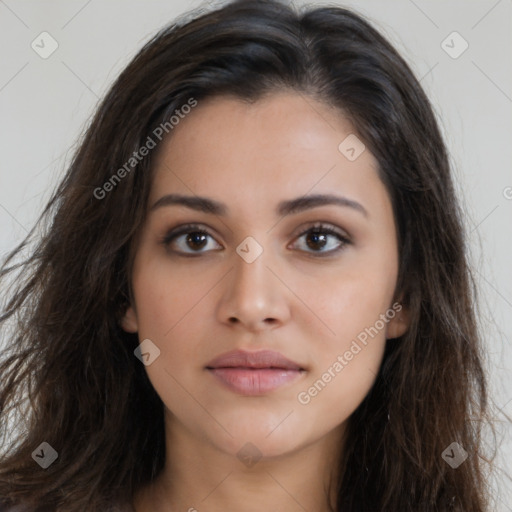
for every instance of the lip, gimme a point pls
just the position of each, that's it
(260, 359)
(254, 373)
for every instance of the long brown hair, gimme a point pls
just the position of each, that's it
(69, 375)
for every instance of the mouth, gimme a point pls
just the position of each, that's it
(254, 373)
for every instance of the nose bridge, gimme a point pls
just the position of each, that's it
(251, 278)
(250, 268)
(252, 294)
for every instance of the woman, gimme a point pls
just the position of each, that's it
(254, 293)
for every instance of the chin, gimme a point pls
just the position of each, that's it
(261, 439)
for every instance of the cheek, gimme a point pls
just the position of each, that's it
(166, 297)
(356, 308)
(332, 395)
(349, 357)
(169, 304)
(346, 361)
(168, 309)
(354, 303)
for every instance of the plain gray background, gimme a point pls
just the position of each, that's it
(45, 103)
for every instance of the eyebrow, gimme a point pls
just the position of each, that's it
(288, 207)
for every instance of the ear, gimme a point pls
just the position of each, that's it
(129, 320)
(399, 323)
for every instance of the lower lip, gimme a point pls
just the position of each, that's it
(255, 382)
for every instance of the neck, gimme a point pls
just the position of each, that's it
(199, 476)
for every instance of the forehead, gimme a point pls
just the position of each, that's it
(248, 155)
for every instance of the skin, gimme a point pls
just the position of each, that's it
(307, 307)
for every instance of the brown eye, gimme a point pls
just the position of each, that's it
(188, 240)
(322, 240)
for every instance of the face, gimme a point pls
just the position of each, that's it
(265, 267)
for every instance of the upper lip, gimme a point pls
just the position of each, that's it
(260, 359)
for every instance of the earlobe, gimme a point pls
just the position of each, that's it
(129, 320)
(398, 325)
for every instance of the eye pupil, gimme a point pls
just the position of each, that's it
(194, 237)
(316, 237)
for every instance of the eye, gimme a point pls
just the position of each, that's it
(191, 239)
(196, 239)
(321, 238)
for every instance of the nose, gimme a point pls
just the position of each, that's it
(253, 295)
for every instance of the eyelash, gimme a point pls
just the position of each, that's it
(317, 228)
